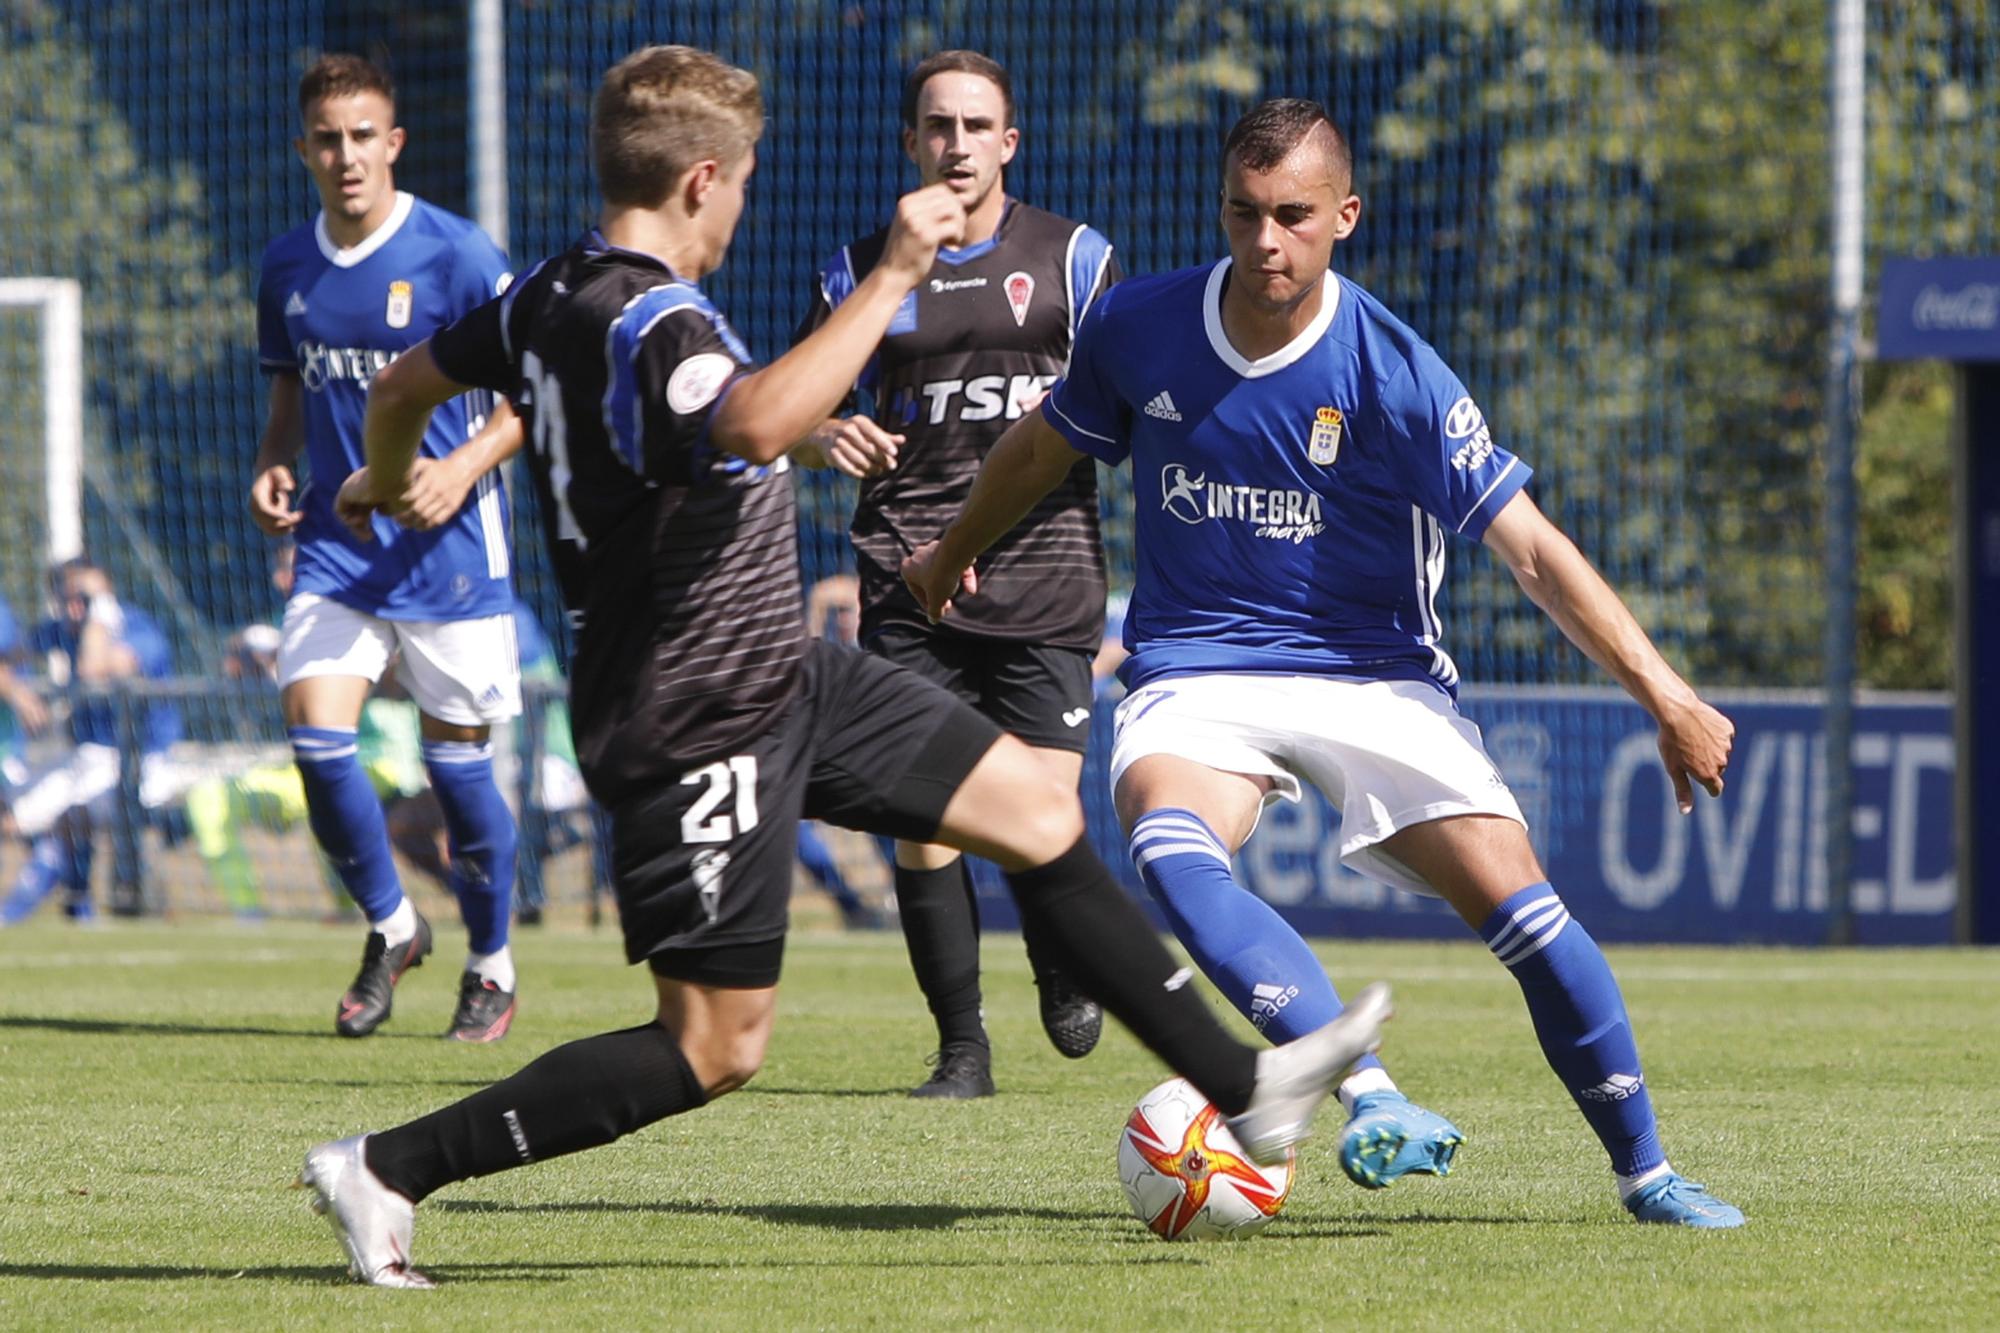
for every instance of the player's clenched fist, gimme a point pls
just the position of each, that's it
(933, 582)
(925, 220)
(271, 501)
(857, 446)
(434, 492)
(356, 503)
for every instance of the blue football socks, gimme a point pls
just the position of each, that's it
(346, 817)
(1580, 1018)
(1259, 963)
(480, 829)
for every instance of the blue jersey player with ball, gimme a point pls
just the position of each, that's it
(1298, 456)
(377, 272)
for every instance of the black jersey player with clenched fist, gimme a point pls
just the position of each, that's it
(976, 344)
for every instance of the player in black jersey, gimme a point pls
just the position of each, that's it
(707, 720)
(976, 345)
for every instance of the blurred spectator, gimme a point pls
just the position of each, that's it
(1111, 652)
(92, 641)
(833, 609)
(22, 712)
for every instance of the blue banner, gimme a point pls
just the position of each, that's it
(1939, 309)
(1583, 763)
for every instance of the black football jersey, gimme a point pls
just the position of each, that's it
(970, 350)
(678, 562)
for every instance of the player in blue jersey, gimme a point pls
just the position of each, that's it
(1298, 455)
(376, 273)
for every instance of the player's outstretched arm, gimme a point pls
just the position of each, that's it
(1024, 465)
(401, 398)
(1695, 739)
(438, 487)
(768, 412)
(854, 445)
(271, 480)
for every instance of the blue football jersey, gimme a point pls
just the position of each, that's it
(1290, 511)
(334, 317)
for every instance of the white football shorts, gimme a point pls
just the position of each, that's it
(465, 672)
(88, 776)
(1386, 753)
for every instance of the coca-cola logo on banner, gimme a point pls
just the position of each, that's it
(1976, 306)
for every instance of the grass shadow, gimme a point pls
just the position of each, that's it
(831, 1216)
(360, 1082)
(311, 1274)
(120, 1027)
(756, 1089)
(315, 1273)
(1290, 1229)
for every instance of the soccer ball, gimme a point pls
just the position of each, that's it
(1187, 1177)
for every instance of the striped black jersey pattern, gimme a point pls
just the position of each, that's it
(679, 563)
(969, 351)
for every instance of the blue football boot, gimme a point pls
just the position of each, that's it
(1678, 1201)
(1390, 1136)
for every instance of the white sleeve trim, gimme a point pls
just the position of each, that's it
(1512, 463)
(1072, 423)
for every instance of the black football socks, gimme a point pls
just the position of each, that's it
(941, 927)
(580, 1095)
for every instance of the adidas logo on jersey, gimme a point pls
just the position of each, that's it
(295, 306)
(1162, 406)
(1614, 1089)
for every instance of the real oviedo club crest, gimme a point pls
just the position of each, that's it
(398, 313)
(1323, 446)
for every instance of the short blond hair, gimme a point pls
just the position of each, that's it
(662, 109)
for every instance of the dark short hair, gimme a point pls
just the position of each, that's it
(1269, 131)
(946, 62)
(342, 75)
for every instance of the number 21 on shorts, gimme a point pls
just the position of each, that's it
(731, 782)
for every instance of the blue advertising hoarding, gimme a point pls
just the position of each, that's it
(1945, 309)
(1948, 308)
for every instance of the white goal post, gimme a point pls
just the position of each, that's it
(60, 304)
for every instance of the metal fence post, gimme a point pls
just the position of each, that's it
(1843, 408)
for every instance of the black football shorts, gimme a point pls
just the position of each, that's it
(1040, 693)
(702, 866)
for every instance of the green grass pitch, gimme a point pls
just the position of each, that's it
(158, 1084)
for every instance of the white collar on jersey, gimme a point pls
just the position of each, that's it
(1211, 320)
(370, 243)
